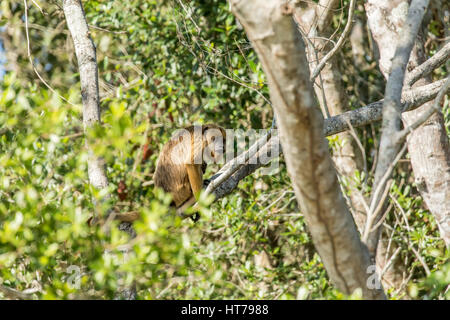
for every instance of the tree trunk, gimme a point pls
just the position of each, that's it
(273, 33)
(87, 64)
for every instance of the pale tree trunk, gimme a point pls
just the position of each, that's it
(428, 146)
(273, 33)
(87, 64)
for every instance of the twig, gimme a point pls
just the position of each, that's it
(74, 135)
(189, 15)
(40, 9)
(238, 82)
(388, 187)
(389, 263)
(31, 59)
(374, 211)
(408, 242)
(338, 44)
(323, 105)
(361, 148)
(106, 30)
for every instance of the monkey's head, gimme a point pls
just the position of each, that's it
(214, 144)
(198, 144)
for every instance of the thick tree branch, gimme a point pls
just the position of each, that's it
(411, 99)
(438, 59)
(16, 294)
(232, 166)
(245, 170)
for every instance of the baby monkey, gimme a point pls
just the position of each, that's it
(183, 160)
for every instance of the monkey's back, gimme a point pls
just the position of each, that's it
(171, 174)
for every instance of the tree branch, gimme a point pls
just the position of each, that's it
(428, 113)
(16, 294)
(411, 99)
(232, 166)
(428, 66)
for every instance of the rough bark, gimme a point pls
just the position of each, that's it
(428, 145)
(273, 33)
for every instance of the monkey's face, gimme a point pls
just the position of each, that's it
(214, 148)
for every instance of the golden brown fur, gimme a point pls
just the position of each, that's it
(180, 165)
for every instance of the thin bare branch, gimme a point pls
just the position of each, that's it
(438, 59)
(30, 58)
(376, 206)
(338, 44)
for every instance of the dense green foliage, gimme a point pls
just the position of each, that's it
(162, 66)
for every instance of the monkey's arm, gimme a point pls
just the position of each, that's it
(195, 175)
